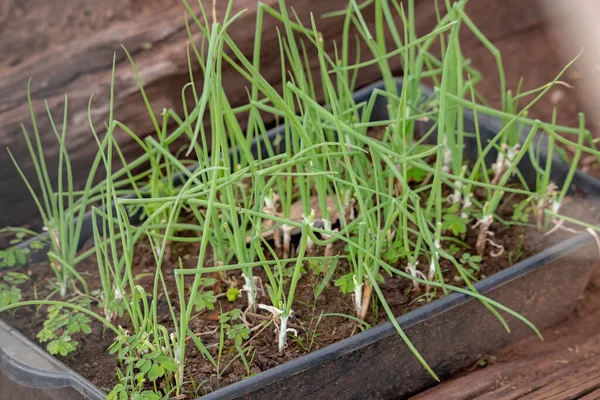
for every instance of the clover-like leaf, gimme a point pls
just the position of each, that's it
(155, 372)
(235, 314)
(146, 395)
(9, 295)
(15, 278)
(145, 367)
(113, 348)
(46, 334)
(117, 392)
(415, 174)
(224, 318)
(239, 333)
(166, 362)
(9, 258)
(37, 245)
(472, 261)
(20, 256)
(63, 346)
(207, 281)
(454, 223)
(345, 283)
(520, 213)
(205, 300)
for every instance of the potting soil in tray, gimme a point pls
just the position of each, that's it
(93, 361)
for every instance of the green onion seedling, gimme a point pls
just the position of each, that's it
(435, 256)
(487, 217)
(282, 307)
(556, 199)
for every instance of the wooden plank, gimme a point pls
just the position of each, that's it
(571, 382)
(564, 366)
(595, 395)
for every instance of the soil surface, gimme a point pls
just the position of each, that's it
(93, 361)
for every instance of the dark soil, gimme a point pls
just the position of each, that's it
(92, 360)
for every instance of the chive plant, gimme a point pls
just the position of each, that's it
(61, 208)
(378, 196)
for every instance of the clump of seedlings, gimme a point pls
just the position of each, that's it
(335, 197)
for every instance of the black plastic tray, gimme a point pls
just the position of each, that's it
(451, 333)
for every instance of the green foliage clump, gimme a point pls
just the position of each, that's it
(60, 326)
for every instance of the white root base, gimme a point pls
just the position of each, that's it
(358, 294)
(249, 289)
(282, 340)
(287, 240)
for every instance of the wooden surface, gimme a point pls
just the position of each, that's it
(565, 366)
(80, 67)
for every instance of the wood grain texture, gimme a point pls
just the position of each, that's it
(157, 41)
(563, 367)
